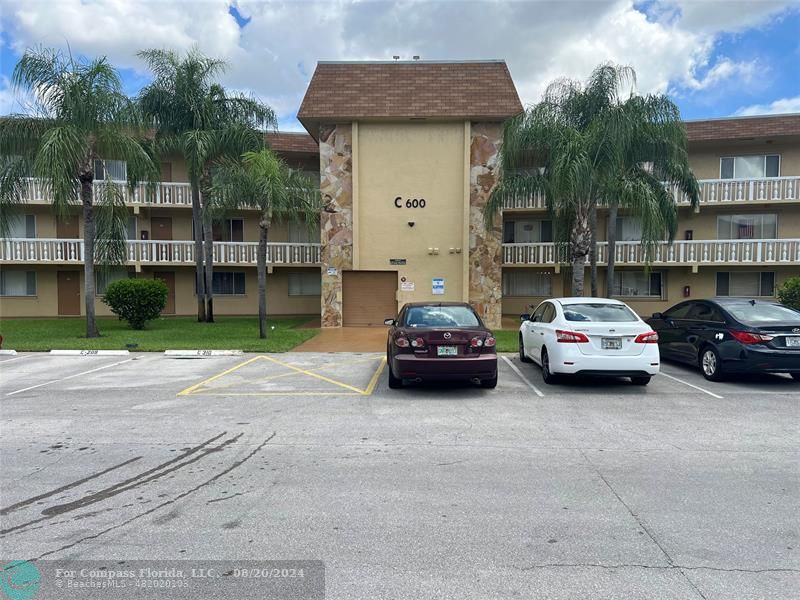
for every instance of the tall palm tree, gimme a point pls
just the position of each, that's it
(261, 180)
(196, 117)
(589, 145)
(80, 116)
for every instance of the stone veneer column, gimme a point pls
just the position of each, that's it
(336, 219)
(485, 247)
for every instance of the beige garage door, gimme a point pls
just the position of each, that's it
(368, 297)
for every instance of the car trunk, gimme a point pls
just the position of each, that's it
(458, 339)
(615, 334)
(786, 335)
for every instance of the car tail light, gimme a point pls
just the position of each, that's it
(751, 338)
(401, 342)
(476, 342)
(651, 337)
(490, 342)
(575, 337)
(418, 343)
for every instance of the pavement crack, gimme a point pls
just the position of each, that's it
(180, 496)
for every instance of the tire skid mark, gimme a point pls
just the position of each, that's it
(64, 488)
(180, 496)
(130, 483)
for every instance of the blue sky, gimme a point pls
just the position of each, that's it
(714, 58)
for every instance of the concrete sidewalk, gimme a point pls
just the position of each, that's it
(347, 339)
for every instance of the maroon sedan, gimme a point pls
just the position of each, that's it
(438, 342)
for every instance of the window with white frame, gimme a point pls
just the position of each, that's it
(103, 277)
(746, 283)
(638, 283)
(747, 227)
(526, 282)
(301, 233)
(629, 229)
(114, 170)
(228, 283)
(22, 226)
(526, 231)
(750, 167)
(17, 283)
(305, 283)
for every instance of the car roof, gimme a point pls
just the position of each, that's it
(586, 300)
(434, 303)
(728, 300)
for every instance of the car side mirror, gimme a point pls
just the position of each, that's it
(525, 317)
(389, 322)
(658, 315)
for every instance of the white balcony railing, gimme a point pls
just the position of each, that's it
(162, 194)
(712, 191)
(37, 250)
(697, 252)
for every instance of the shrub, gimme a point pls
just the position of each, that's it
(789, 293)
(137, 300)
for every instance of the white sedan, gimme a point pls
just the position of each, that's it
(589, 336)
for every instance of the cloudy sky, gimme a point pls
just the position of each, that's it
(715, 58)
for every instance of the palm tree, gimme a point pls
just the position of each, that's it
(196, 117)
(80, 116)
(590, 145)
(261, 180)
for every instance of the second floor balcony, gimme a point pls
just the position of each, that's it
(164, 253)
(689, 253)
(160, 194)
(763, 190)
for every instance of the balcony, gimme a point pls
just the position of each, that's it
(162, 253)
(164, 194)
(712, 192)
(690, 253)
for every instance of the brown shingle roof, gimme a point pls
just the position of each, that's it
(738, 128)
(285, 142)
(344, 91)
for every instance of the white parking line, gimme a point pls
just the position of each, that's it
(691, 385)
(7, 360)
(38, 385)
(521, 376)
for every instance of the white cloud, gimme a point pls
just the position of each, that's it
(782, 106)
(274, 55)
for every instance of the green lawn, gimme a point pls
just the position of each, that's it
(174, 333)
(507, 340)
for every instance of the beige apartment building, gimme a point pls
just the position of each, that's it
(406, 155)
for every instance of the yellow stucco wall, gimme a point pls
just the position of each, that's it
(705, 159)
(412, 160)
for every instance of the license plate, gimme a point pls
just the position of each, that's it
(793, 342)
(446, 351)
(612, 343)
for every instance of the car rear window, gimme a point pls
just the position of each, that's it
(754, 314)
(599, 313)
(441, 316)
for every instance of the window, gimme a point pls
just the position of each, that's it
(527, 231)
(599, 313)
(441, 316)
(749, 167)
(679, 312)
(229, 230)
(747, 227)
(299, 233)
(549, 313)
(115, 170)
(22, 226)
(228, 283)
(131, 227)
(748, 283)
(762, 314)
(638, 283)
(305, 283)
(705, 312)
(524, 282)
(17, 283)
(629, 229)
(104, 277)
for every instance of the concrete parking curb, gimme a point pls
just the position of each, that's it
(89, 352)
(201, 353)
(8, 352)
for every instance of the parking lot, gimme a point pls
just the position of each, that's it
(588, 489)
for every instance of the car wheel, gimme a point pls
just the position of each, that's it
(548, 376)
(489, 383)
(394, 382)
(522, 356)
(640, 380)
(711, 364)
